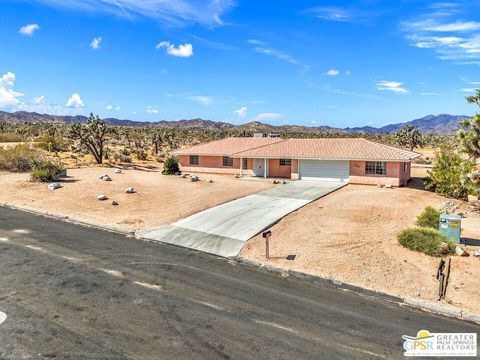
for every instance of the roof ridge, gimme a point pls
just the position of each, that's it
(395, 149)
(259, 146)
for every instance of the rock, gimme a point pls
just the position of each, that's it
(102, 197)
(53, 186)
(114, 202)
(284, 182)
(117, 171)
(476, 253)
(472, 198)
(460, 252)
(444, 248)
(193, 178)
(102, 176)
(379, 186)
(462, 214)
(130, 190)
(210, 181)
(388, 186)
(184, 176)
(106, 178)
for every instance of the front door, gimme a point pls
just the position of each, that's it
(258, 165)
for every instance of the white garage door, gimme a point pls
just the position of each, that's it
(326, 170)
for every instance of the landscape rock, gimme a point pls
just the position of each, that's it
(105, 178)
(54, 185)
(130, 190)
(117, 171)
(114, 202)
(284, 182)
(193, 178)
(102, 197)
(210, 181)
(379, 186)
(460, 252)
(476, 253)
(388, 186)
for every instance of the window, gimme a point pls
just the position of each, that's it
(227, 161)
(245, 164)
(194, 160)
(285, 162)
(376, 168)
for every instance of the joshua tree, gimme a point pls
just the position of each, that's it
(409, 136)
(470, 136)
(93, 135)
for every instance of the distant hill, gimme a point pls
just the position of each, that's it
(440, 124)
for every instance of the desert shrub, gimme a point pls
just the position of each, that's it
(425, 240)
(430, 218)
(141, 155)
(449, 174)
(10, 137)
(46, 170)
(122, 158)
(51, 143)
(170, 166)
(18, 158)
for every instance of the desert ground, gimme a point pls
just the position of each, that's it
(158, 199)
(350, 235)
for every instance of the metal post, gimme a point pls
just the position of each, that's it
(265, 167)
(266, 236)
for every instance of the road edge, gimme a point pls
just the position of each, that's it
(402, 301)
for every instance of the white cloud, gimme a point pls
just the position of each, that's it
(168, 12)
(267, 116)
(468, 90)
(8, 96)
(451, 39)
(39, 100)
(262, 48)
(332, 72)
(29, 29)
(151, 110)
(202, 99)
(393, 86)
(428, 94)
(75, 101)
(96, 42)
(332, 13)
(348, 72)
(109, 107)
(241, 112)
(183, 50)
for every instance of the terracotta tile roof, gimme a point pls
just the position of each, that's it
(226, 147)
(323, 148)
(329, 148)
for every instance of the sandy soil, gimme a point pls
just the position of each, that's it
(159, 199)
(350, 235)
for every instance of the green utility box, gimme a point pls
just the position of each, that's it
(450, 226)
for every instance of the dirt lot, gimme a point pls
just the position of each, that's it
(159, 199)
(350, 235)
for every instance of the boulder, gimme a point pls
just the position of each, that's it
(130, 190)
(476, 253)
(107, 178)
(102, 197)
(54, 186)
(210, 181)
(117, 171)
(194, 178)
(461, 252)
(388, 186)
(114, 202)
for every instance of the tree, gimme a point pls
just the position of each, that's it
(93, 135)
(450, 174)
(409, 136)
(469, 136)
(170, 166)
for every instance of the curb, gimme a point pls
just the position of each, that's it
(407, 301)
(69, 219)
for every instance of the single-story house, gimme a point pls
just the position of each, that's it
(353, 160)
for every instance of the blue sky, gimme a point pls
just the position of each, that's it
(337, 63)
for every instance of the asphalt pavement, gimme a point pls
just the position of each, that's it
(72, 292)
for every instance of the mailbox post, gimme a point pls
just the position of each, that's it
(266, 236)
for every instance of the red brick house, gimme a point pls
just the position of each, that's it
(353, 160)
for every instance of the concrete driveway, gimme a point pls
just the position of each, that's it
(223, 229)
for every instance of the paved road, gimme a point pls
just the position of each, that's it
(75, 292)
(223, 229)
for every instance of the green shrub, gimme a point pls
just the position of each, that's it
(170, 166)
(425, 240)
(141, 155)
(18, 158)
(46, 170)
(449, 174)
(430, 217)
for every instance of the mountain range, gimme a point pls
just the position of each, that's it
(438, 124)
